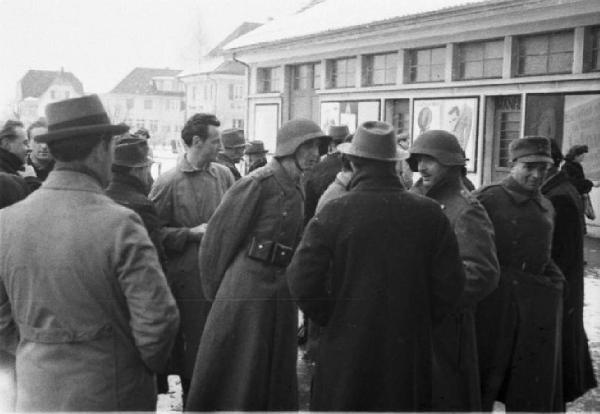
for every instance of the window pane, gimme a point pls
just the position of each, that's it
(317, 76)
(423, 57)
(533, 65)
(390, 75)
(378, 62)
(438, 55)
(472, 70)
(535, 45)
(421, 74)
(379, 77)
(560, 63)
(561, 42)
(472, 52)
(494, 49)
(492, 68)
(437, 72)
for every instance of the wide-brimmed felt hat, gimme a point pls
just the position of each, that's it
(530, 149)
(296, 132)
(338, 133)
(374, 140)
(233, 138)
(255, 147)
(78, 116)
(132, 151)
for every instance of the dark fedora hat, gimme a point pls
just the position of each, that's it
(255, 147)
(78, 116)
(233, 138)
(374, 140)
(132, 151)
(338, 133)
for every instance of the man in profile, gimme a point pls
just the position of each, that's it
(84, 303)
(234, 144)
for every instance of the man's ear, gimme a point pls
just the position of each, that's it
(4, 143)
(196, 140)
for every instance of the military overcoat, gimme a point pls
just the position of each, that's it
(456, 367)
(247, 354)
(519, 324)
(377, 267)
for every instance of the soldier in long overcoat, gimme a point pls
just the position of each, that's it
(83, 300)
(438, 157)
(377, 267)
(567, 252)
(247, 354)
(519, 324)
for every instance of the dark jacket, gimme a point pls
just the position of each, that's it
(456, 369)
(257, 164)
(317, 181)
(574, 172)
(567, 252)
(41, 173)
(13, 187)
(131, 193)
(519, 324)
(377, 267)
(226, 161)
(247, 355)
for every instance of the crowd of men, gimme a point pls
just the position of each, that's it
(420, 296)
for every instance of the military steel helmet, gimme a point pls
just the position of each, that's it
(296, 132)
(441, 145)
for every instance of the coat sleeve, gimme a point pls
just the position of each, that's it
(308, 272)
(9, 336)
(226, 231)
(154, 318)
(173, 238)
(475, 236)
(447, 273)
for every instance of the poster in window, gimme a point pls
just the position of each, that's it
(457, 116)
(544, 116)
(582, 127)
(368, 111)
(266, 123)
(330, 115)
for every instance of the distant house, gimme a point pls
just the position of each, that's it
(149, 98)
(40, 87)
(218, 86)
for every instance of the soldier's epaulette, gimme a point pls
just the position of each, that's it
(262, 173)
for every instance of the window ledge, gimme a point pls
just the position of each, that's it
(266, 95)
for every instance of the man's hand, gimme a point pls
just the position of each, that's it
(199, 230)
(29, 172)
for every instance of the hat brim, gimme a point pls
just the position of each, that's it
(255, 152)
(82, 130)
(535, 158)
(148, 162)
(348, 149)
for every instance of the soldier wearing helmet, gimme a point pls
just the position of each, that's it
(438, 157)
(247, 355)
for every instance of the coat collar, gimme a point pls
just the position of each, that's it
(444, 189)
(185, 166)
(9, 162)
(283, 178)
(74, 180)
(520, 195)
(129, 182)
(375, 178)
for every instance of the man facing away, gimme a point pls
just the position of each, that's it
(438, 157)
(519, 323)
(185, 199)
(83, 300)
(378, 267)
(233, 146)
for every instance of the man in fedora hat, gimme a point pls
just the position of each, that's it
(233, 146)
(438, 157)
(83, 300)
(520, 357)
(247, 355)
(377, 267)
(131, 182)
(185, 198)
(256, 154)
(324, 173)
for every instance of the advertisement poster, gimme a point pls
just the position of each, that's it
(266, 123)
(582, 126)
(350, 113)
(457, 116)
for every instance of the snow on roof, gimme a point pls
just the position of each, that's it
(331, 15)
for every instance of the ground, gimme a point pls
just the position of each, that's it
(590, 402)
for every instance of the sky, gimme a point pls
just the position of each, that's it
(101, 41)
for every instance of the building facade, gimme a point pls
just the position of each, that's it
(38, 88)
(149, 98)
(489, 72)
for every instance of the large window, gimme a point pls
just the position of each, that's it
(480, 60)
(268, 80)
(379, 69)
(595, 51)
(306, 76)
(426, 65)
(545, 54)
(129, 103)
(341, 73)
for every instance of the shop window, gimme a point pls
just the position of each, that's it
(397, 114)
(379, 69)
(305, 76)
(426, 65)
(480, 60)
(545, 54)
(341, 73)
(595, 48)
(268, 80)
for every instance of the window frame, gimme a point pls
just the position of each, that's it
(333, 76)
(413, 66)
(268, 79)
(461, 61)
(548, 35)
(369, 70)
